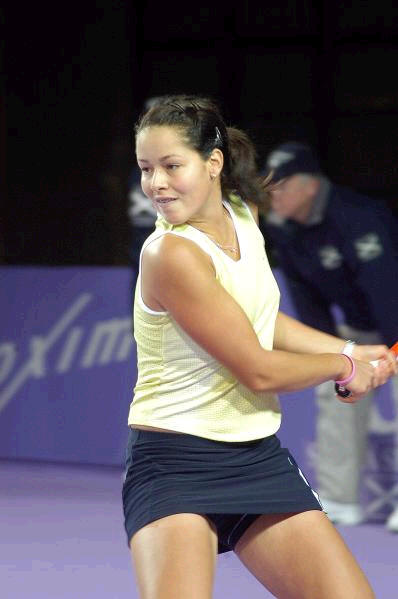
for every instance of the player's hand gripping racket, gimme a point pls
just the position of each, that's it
(341, 391)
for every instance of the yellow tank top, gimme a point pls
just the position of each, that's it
(180, 386)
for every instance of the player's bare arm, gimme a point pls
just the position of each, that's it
(178, 277)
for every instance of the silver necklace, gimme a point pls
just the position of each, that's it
(228, 248)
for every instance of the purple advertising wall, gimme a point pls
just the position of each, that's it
(67, 363)
(68, 368)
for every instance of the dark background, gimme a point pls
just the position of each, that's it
(74, 78)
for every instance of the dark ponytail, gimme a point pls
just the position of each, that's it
(243, 178)
(203, 129)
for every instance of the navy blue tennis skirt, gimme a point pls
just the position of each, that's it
(229, 483)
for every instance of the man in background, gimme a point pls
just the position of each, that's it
(336, 248)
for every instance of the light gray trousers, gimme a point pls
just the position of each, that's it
(341, 434)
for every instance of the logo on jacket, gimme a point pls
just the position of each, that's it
(330, 257)
(368, 247)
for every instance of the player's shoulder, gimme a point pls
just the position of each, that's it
(172, 251)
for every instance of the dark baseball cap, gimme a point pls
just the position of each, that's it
(290, 159)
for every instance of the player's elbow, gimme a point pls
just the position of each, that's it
(258, 373)
(259, 383)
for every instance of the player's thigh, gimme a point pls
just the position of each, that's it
(302, 556)
(174, 557)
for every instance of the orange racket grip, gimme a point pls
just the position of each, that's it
(394, 348)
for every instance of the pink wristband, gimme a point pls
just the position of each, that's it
(351, 375)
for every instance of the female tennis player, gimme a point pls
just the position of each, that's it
(206, 472)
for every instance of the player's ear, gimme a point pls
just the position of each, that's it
(215, 163)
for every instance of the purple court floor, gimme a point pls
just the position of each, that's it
(62, 537)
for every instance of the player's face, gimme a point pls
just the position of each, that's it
(292, 197)
(173, 176)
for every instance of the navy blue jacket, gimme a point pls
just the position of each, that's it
(349, 259)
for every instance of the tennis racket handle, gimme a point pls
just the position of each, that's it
(394, 349)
